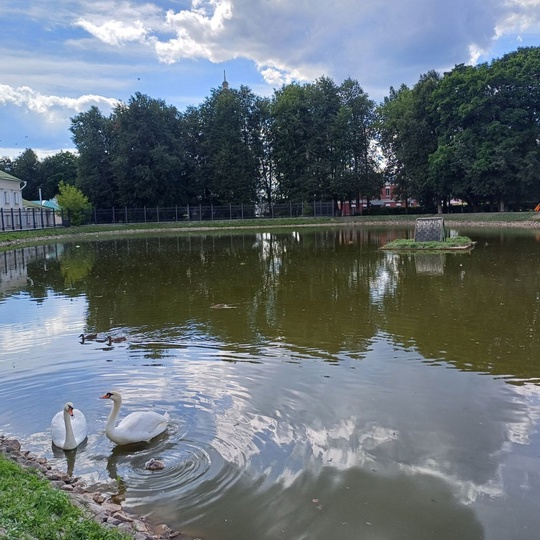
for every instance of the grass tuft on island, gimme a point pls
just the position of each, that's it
(449, 244)
(30, 508)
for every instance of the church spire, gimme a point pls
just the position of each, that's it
(225, 84)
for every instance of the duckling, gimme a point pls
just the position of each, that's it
(154, 465)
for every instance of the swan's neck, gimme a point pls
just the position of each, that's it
(111, 422)
(70, 437)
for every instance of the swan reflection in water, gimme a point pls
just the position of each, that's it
(69, 455)
(133, 456)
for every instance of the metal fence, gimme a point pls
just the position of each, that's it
(19, 219)
(208, 213)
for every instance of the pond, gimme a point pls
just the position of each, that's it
(318, 387)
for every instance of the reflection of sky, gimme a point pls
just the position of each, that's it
(464, 440)
(26, 324)
(385, 281)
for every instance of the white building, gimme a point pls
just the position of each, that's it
(10, 191)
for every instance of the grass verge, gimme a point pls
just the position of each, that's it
(457, 242)
(31, 509)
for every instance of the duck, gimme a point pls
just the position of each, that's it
(68, 427)
(140, 426)
(87, 337)
(111, 340)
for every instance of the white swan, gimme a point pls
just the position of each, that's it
(68, 427)
(138, 426)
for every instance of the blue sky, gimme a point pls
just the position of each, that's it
(59, 58)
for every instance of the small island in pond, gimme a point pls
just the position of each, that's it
(456, 243)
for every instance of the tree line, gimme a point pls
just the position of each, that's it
(472, 134)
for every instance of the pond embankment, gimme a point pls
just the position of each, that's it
(524, 220)
(93, 504)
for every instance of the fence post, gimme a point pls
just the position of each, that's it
(2, 214)
(188, 213)
(212, 211)
(230, 212)
(200, 212)
(125, 214)
(20, 219)
(157, 213)
(176, 212)
(242, 210)
(34, 217)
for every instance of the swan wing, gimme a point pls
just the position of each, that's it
(58, 429)
(79, 425)
(140, 426)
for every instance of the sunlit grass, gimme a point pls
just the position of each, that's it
(30, 508)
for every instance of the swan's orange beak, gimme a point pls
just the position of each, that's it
(105, 396)
(70, 411)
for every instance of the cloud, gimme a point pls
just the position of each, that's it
(374, 42)
(115, 32)
(51, 107)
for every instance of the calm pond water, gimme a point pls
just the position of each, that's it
(319, 388)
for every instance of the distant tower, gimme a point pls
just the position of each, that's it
(225, 84)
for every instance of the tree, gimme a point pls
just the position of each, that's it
(73, 201)
(406, 127)
(146, 154)
(92, 137)
(60, 166)
(290, 132)
(229, 146)
(489, 130)
(26, 167)
(357, 173)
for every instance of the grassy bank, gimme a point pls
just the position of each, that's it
(496, 219)
(30, 508)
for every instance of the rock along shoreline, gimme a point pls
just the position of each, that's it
(93, 503)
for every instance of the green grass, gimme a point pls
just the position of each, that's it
(30, 508)
(449, 243)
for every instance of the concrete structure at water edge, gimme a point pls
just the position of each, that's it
(429, 229)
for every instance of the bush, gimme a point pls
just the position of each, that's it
(74, 201)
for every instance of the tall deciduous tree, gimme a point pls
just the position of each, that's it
(60, 166)
(489, 129)
(92, 137)
(407, 135)
(229, 146)
(26, 167)
(357, 171)
(147, 163)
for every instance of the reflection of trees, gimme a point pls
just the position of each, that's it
(76, 264)
(326, 290)
(483, 314)
(278, 287)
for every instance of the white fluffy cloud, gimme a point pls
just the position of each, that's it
(374, 42)
(50, 106)
(85, 49)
